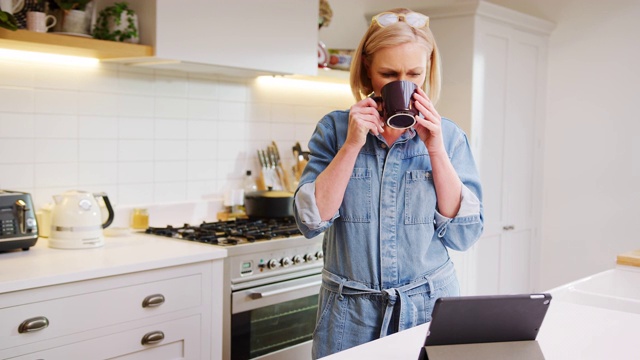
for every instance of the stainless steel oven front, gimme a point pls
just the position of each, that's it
(273, 299)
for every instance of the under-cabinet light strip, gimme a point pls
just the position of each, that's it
(47, 58)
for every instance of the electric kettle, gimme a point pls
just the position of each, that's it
(76, 220)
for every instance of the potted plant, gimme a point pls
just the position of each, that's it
(117, 22)
(71, 16)
(8, 21)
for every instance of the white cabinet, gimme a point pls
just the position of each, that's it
(494, 80)
(229, 37)
(165, 313)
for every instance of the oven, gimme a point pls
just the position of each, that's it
(271, 282)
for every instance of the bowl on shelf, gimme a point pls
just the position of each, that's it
(340, 59)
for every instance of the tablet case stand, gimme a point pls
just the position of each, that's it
(507, 350)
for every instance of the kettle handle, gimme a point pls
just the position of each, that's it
(107, 203)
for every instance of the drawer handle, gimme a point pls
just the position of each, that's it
(33, 324)
(153, 300)
(153, 337)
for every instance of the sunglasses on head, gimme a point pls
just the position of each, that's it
(413, 19)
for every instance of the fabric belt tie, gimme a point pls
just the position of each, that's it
(393, 296)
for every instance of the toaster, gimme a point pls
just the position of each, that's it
(18, 225)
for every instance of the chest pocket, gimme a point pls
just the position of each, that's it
(419, 197)
(356, 205)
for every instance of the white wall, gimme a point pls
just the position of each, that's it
(592, 163)
(145, 136)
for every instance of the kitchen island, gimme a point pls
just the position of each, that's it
(138, 293)
(569, 331)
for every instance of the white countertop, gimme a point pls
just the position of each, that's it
(43, 266)
(569, 331)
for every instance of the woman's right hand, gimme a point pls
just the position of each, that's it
(363, 118)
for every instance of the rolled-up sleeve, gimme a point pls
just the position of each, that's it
(307, 213)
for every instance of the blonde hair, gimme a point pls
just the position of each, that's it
(378, 37)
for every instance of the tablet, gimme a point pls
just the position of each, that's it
(481, 319)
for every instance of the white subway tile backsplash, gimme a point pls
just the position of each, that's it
(136, 128)
(170, 150)
(98, 150)
(232, 111)
(173, 86)
(16, 125)
(202, 130)
(48, 126)
(170, 192)
(202, 169)
(56, 101)
(170, 171)
(17, 151)
(135, 172)
(202, 88)
(17, 100)
(103, 79)
(203, 109)
(14, 73)
(202, 150)
(136, 193)
(97, 127)
(136, 106)
(139, 83)
(144, 135)
(98, 173)
(17, 176)
(52, 174)
(56, 150)
(56, 77)
(170, 129)
(98, 103)
(166, 107)
(135, 150)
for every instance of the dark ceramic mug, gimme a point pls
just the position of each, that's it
(396, 105)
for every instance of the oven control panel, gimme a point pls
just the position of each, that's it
(277, 261)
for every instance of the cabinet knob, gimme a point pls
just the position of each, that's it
(508, 227)
(153, 300)
(152, 338)
(33, 324)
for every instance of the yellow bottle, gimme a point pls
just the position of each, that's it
(140, 219)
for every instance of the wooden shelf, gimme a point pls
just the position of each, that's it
(72, 45)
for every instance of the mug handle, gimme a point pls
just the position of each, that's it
(378, 100)
(46, 20)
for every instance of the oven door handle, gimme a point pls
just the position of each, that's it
(264, 294)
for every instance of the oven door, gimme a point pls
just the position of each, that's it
(275, 321)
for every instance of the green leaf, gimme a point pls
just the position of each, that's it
(8, 21)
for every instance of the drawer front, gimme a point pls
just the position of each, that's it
(178, 339)
(78, 313)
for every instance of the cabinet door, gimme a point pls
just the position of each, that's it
(275, 36)
(180, 341)
(509, 97)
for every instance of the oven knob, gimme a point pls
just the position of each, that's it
(273, 263)
(285, 261)
(309, 257)
(297, 259)
(319, 255)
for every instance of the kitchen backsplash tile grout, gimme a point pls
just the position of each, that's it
(145, 136)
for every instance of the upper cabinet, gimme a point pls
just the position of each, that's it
(240, 36)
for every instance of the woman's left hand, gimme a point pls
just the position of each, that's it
(428, 128)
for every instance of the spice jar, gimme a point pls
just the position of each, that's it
(139, 218)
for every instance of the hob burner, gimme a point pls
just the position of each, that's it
(232, 232)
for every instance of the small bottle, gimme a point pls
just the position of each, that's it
(249, 183)
(140, 219)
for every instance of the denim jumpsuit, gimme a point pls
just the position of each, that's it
(386, 258)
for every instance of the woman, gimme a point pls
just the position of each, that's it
(390, 201)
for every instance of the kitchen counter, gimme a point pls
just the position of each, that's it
(44, 266)
(596, 317)
(569, 331)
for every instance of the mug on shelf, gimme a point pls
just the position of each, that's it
(40, 22)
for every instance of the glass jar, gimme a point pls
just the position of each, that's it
(139, 219)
